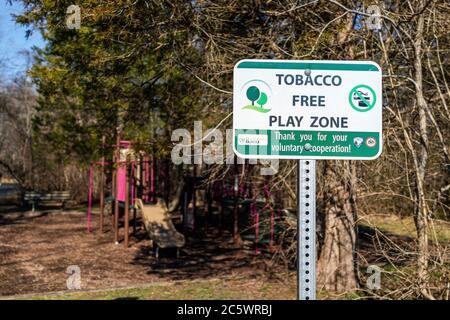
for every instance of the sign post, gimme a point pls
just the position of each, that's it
(306, 229)
(307, 110)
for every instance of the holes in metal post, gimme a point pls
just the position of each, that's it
(307, 205)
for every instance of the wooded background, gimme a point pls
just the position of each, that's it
(148, 67)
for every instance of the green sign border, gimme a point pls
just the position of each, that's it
(306, 65)
(294, 65)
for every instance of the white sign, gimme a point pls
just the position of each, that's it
(289, 109)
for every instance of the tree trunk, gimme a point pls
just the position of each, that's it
(336, 265)
(421, 209)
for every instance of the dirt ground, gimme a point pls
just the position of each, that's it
(36, 250)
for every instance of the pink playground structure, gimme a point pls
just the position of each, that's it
(132, 178)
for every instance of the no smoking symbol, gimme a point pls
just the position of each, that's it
(362, 98)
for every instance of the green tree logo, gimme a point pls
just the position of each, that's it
(255, 95)
(262, 99)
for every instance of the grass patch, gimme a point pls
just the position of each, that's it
(405, 226)
(256, 108)
(196, 290)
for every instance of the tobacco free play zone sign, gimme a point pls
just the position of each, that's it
(307, 109)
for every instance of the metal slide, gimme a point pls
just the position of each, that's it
(159, 226)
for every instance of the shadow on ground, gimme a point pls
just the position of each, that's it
(204, 256)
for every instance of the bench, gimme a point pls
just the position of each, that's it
(56, 196)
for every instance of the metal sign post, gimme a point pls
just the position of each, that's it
(306, 229)
(307, 110)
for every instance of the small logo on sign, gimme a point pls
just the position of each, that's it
(371, 142)
(253, 139)
(258, 93)
(358, 141)
(362, 98)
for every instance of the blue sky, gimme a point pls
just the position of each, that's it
(13, 41)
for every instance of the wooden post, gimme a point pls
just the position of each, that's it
(185, 209)
(222, 208)
(194, 198)
(113, 188)
(116, 193)
(136, 194)
(236, 205)
(102, 186)
(152, 181)
(127, 204)
(134, 221)
(167, 186)
(208, 206)
(145, 179)
(141, 178)
(272, 231)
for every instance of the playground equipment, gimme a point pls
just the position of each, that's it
(159, 226)
(246, 208)
(252, 216)
(132, 188)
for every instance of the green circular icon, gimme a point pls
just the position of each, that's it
(360, 100)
